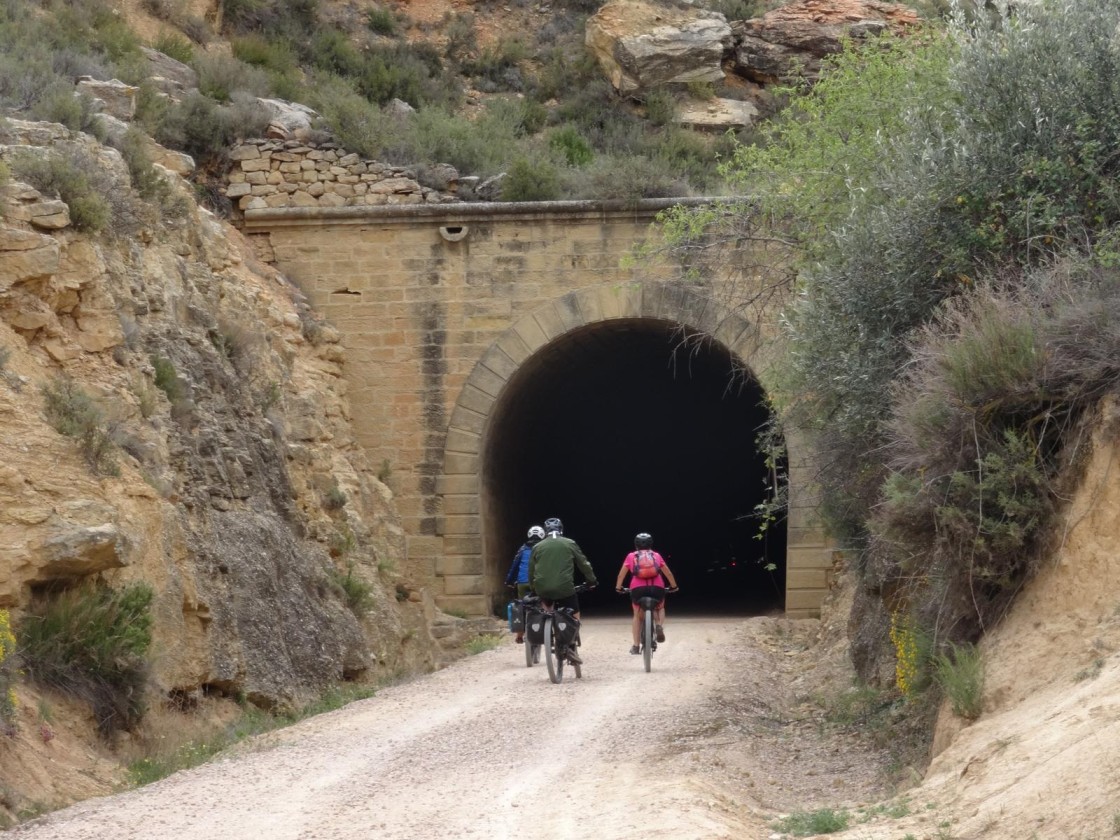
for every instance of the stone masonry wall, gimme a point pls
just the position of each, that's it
(438, 307)
(288, 173)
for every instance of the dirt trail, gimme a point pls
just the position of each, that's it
(486, 749)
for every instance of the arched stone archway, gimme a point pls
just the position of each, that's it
(476, 535)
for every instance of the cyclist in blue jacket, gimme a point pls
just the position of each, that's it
(519, 572)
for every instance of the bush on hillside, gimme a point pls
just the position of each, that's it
(72, 412)
(924, 184)
(91, 642)
(75, 177)
(7, 672)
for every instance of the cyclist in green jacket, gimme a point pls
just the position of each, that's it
(552, 566)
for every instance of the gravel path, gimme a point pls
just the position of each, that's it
(483, 749)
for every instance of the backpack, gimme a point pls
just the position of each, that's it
(645, 564)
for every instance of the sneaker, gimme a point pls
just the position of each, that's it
(635, 650)
(659, 632)
(573, 657)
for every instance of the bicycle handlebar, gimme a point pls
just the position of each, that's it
(625, 590)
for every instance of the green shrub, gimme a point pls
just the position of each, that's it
(702, 90)
(146, 179)
(462, 40)
(496, 68)
(412, 73)
(381, 20)
(91, 642)
(335, 498)
(71, 412)
(276, 57)
(685, 155)
(289, 20)
(206, 130)
(808, 823)
(661, 107)
(166, 378)
(7, 671)
(358, 124)
(220, 76)
(480, 147)
(357, 593)
(627, 178)
(531, 180)
(175, 46)
(568, 143)
(57, 103)
(483, 643)
(75, 178)
(960, 674)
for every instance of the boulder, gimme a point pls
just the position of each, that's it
(117, 99)
(288, 120)
(790, 41)
(716, 114)
(642, 45)
(170, 76)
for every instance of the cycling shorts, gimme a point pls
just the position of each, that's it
(571, 602)
(639, 592)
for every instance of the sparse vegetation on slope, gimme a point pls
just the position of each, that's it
(524, 89)
(950, 242)
(92, 642)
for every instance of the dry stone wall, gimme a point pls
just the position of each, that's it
(289, 173)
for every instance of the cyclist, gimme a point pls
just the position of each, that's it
(639, 563)
(518, 575)
(552, 565)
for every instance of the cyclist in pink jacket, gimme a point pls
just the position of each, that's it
(648, 575)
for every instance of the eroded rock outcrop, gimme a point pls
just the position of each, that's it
(643, 45)
(790, 41)
(237, 490)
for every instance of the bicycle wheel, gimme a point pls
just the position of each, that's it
(647, 639)
(553, 660)
(529, 651)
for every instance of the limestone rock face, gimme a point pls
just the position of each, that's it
(791, 40)
(642, 45)
(238, 492)
(169, 75)
(290, 120)
(116, 98)
(716, 114)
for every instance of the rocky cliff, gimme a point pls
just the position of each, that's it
(226, 477)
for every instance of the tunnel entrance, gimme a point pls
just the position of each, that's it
(617, 428)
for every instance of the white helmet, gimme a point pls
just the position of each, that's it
(536, 533)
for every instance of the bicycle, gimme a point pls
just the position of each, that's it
(558, 631)
(647, 605)
(530, 606)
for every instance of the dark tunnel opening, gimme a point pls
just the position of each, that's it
(617, 428)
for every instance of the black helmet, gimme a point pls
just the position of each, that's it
(536, 534)
(553, 524)
(643, 540)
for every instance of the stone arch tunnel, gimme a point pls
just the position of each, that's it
(630, 425)
(476, 335)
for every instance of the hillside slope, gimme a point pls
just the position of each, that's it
(1041, 761)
